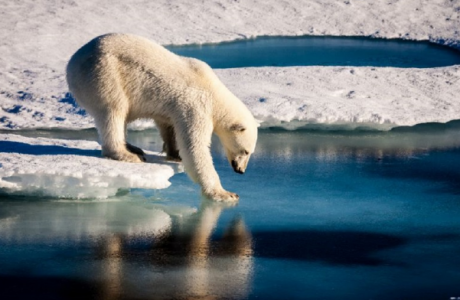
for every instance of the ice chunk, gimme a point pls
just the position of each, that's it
(73, 169)
(141, 124)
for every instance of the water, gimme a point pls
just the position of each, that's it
(321, 51)
(322, 215)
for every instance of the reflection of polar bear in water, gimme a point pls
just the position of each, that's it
(118, 78)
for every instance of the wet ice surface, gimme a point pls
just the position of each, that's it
(357, 215)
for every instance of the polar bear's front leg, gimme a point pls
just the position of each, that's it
(194, 143)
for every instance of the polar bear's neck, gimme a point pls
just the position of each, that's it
(227, 109)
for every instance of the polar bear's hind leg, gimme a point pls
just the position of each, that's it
(169, 140)
(111, 129)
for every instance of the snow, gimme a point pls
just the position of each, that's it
(38, 37)
(380, 98)
(73, 169)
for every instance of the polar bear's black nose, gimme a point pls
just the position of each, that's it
(236, 168)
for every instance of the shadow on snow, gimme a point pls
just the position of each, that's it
(24, 148)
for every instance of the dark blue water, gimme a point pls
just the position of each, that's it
(322, 215)
(321, 51)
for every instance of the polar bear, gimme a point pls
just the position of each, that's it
(118, 78)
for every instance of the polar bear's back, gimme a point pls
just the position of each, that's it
(120, 70)
(115, 52)
(126, 47)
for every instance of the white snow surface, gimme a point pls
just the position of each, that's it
(73, 169)
(378, 98)
(38, 37)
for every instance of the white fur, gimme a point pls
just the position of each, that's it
(118, 78)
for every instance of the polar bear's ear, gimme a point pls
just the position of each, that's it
(237, 127)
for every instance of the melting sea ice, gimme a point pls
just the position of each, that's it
(322, 215)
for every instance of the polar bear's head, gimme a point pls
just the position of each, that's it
(239, 141)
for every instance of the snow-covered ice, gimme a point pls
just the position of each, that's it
(380, 98)
(37, 39)
(73, 169)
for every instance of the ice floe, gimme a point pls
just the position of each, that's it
(73, 169)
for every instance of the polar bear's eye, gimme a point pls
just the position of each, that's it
(237, 127)
(245, 152)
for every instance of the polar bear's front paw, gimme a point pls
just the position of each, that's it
(222, 195)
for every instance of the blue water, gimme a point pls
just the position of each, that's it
(321, 51)
(322, 215)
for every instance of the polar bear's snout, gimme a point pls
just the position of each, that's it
(236, 167)
(239, 164)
